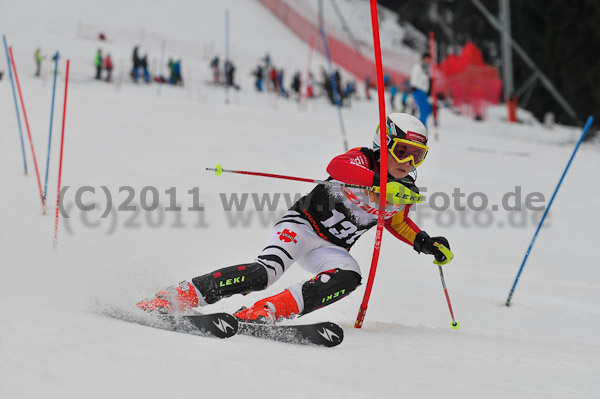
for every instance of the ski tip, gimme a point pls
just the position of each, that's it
(331, 334)
(220, 325)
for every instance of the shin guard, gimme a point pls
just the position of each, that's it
(328, 287)
(239, 279)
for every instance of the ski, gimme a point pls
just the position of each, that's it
(322, 334)
(219, 325)
(225, 325)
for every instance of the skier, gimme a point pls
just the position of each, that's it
(318, 231)
(419, 80)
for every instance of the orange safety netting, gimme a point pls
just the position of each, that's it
(469, 81)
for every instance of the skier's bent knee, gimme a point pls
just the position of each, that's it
(328, 287)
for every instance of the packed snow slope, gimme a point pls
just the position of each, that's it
(132, 141)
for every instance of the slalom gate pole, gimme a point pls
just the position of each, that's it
(37, 172)
(12, 84)
(383, 146)
(51, 119)
(219, 170)
(585, 130)
(226, 55)
(433, 84)
(455, 325)
(304, 99)
(331, 75)
(62, 144)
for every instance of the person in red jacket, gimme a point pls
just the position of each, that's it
(108, 65)
(318, 231)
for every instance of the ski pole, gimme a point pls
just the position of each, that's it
(455, 324)
(219, 170)
(408, 196)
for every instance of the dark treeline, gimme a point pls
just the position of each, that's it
(562, 38)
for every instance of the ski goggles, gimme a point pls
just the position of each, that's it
(407, 151)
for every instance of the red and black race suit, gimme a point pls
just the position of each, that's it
(341, 215)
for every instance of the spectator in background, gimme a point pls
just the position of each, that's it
(296, 85)
(171, 66)
(333, 93)
(258, 74)
(273, 81)
(214, 64)
(368, 86)
(229, 73)
(108, 65)
(38, 61)
(419, 80)
(387, 80)
(309, 85)
(176, 78)
(135, 73)
(144, 67)
(393, 93)
(337, 76)
(349, 91)
(282, 91)
(98, 62)
(267, 61)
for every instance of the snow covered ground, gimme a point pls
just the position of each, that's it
(53, 342)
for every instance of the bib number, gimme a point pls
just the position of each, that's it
(341, 228)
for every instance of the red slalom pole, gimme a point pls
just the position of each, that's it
(12, 59)
(383, 146)
(62, 143)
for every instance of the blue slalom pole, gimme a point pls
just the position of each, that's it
(12, 83)
(51, 119)
(331, 75)
(585, 130)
